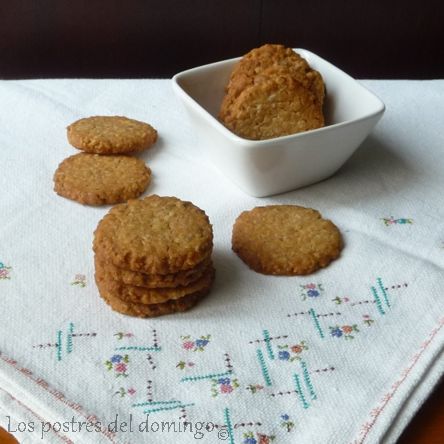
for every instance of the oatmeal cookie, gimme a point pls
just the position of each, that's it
(152, 310)
(154, 235)
(92, 179)
(138, 279)
(276, 106)
(143, 295)
(111, 135)
(285, 240)
(268, 61)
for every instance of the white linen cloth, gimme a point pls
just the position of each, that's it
(346, 355)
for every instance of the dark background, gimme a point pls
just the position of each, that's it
(146, 38)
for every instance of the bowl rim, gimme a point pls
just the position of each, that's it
(213, 121)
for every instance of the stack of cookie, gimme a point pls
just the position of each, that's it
(153, 256)
(104, 173)
(272, 92)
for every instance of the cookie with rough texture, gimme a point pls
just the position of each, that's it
(111, 135)
(138, 279)
(285, 240)
(98, 180)
(268, 61)
(151, 310)
(154, 235)
(269, 58)
(276, 106)
(143, 295)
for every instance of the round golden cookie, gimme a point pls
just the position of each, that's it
(267, 61)
(269, 57)
(111, 135)
(274, 107)
(265, 56)
(138, 279)
(152, 310)
(98, 180)
(285, 240)
(143, 295)
(154, 235)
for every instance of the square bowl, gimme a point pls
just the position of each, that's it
(266, 167)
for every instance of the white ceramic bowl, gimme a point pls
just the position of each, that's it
(265, 167)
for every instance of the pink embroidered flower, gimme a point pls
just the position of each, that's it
(131, 391)
(80, 280)
(120, 367)
(296, 349)
(182, 364)
(188, 345)
(254, 387)
(291, 352)
(225, 388)
(224, 385)
(264, 439)
(120, 335)
(4, 271)
(311, 290)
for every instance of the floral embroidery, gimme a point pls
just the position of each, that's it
(291, 353)
(4, 271)
(344, 330)
(80, 280)
(368, 320)
(260, 438)
(265, 439)
(123, 392)
(195, 345)
(120, 335)
(249, 438)
(286, 423)
(223, 385)
(338, 301)
(254, 388)
(311, 291)
(392, 221)
(119, 363)
(183, 364)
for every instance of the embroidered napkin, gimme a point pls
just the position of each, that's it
(346, 355)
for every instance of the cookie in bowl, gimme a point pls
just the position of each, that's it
(272, 92)
(283, 163)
